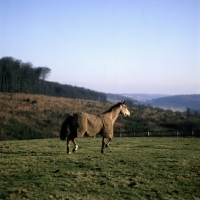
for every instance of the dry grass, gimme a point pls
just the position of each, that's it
(44, 115)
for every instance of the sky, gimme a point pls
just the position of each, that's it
(112, 46)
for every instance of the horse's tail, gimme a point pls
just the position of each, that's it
(63, 131)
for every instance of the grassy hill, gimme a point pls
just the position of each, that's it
(28, 116)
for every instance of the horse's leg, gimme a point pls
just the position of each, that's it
(109, 141)
(68, 145)
(103, 145)
(75, 145)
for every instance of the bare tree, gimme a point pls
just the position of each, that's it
(45, 72)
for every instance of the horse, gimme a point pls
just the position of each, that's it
(82, 123)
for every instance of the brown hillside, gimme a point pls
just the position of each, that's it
(40, 112)
(26, 116)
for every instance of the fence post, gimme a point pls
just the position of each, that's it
(192, 133)
(148, 133)
(176, 133)
(134, 133)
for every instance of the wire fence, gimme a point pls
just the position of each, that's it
(178, 133)
(164, 133)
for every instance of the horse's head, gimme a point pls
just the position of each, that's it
(124, 110)
(63, 131)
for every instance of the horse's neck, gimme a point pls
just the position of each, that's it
(113, 114)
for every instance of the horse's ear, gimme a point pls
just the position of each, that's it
(122, 102)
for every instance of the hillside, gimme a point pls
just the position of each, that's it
(179, 102)
(73, 92)
(28, 116)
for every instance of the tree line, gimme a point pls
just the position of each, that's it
(22, 77)
(17, 76)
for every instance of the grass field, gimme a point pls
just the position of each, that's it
(133, 168)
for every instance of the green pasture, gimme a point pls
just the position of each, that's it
(133, 168)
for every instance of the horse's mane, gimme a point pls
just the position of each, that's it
(114, 106)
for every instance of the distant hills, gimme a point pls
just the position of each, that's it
(114, 98)
(176, 102)
(181, 102)
(144, 98)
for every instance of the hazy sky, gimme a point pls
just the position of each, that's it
(115, 46)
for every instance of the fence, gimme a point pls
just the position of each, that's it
(178, 133)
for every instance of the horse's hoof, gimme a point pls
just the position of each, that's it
(69, 153)
(106, 146)
(75, 149)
